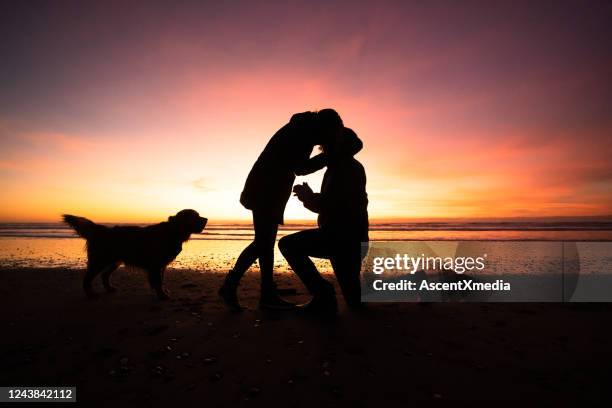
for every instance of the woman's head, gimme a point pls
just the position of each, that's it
(330, 119)
(329, 126)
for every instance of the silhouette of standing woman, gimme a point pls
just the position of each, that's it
(267, 190)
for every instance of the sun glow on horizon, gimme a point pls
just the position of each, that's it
(170, 112)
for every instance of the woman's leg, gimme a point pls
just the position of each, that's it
(246, 258)
(228, 291)
(266, 228)
(261, 248)
(265, 238)
(265, 235)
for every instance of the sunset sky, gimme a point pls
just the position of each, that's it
(131, 111)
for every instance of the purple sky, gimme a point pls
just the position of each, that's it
(466, 109)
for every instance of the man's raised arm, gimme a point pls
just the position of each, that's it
(310, 199)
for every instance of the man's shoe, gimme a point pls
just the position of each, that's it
(320, 304)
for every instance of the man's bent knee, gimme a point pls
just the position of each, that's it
(286, 244)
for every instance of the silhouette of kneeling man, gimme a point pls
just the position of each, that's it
(343, 226)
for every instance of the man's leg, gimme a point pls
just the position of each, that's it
(347, 268)
(296, 248)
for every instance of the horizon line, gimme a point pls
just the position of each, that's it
(566, 218)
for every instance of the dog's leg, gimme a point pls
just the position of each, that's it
(106, 274)
(156, 276)
(93, 269)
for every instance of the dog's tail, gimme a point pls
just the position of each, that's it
(84, 227)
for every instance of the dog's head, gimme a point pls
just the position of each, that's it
(188, 221)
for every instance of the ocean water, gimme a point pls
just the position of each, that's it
(46, 245)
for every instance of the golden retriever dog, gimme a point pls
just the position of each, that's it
(151, 248)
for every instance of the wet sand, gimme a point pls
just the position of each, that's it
(133, 350)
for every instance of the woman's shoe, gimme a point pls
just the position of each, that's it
(230, 298)
(271, 301)
(284, 291)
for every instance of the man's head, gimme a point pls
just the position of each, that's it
(329, 126)
(344, 145)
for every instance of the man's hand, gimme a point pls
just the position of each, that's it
(302, 191)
